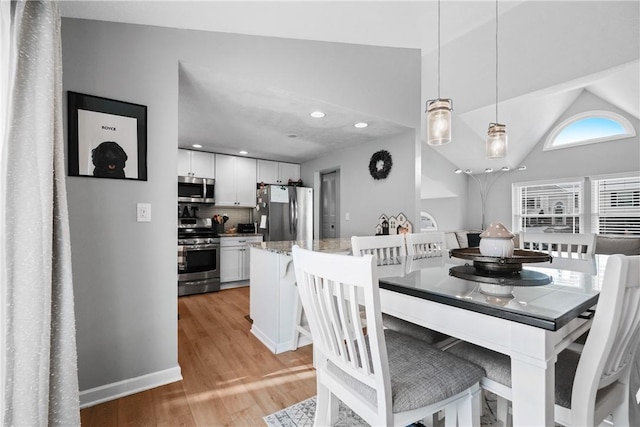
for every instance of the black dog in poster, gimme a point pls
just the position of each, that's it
(109, 159)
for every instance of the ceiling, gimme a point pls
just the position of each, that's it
(537, 83)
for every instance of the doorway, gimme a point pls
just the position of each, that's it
(330, 204)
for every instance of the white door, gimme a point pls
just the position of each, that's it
(329, 207)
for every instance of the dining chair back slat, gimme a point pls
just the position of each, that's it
(428, 243)
(382, 247)
(563, 244)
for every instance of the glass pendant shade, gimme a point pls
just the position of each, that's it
(496, 141)
(439, 121)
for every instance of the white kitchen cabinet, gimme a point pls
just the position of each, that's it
(271, 172)
(235, 258)
(235, 181)
(196, 163)
(288, 171)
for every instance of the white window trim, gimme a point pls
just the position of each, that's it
(515, 202)
(594, 210)
(626, 124)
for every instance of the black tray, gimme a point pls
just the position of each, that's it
(500, 264)
(518, 278)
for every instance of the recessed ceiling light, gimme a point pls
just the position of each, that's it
(243, 152)
(457, 171)
(196, 146)
(488, 170)
(361, 125)
(317, 114)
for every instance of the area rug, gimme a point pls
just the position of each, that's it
(301, 415)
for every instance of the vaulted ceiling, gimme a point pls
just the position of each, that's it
(549, 53)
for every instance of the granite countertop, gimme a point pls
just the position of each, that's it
(325, 245)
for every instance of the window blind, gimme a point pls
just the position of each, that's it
(616, 205)
(549, 207)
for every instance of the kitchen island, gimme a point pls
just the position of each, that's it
(273, 294)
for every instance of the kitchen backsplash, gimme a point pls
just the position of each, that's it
(236, 215)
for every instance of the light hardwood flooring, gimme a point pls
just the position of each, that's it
(229, 377)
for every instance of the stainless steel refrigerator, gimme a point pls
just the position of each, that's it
(285, 213)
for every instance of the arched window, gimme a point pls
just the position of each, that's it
(588, 128)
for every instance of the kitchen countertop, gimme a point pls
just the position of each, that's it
(324, 245)
(239, 234)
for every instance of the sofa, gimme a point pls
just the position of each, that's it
(605, 244)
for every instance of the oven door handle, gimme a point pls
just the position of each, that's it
(203, 247)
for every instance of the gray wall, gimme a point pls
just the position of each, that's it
(124, 271)
(443, 193)
(594, 159)
(363, 197)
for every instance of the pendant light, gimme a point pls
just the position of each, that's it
(439, 110)
(496, 147)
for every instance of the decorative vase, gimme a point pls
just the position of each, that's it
(497, 241)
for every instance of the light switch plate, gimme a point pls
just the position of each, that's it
(144, 212)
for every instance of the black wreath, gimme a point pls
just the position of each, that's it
(386, 164)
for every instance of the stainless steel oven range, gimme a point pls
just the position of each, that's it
(198, 257)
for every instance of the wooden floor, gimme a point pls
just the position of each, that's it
(230, 378)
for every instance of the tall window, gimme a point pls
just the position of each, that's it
(615, 204)
(588, 128)
(550, 207)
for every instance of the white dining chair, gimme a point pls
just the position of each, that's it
(384, 247)
(594, 384)
(389, 248)
(430, 243)
(563, 244)
(387, 378)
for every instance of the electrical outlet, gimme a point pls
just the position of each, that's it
(347, 216)
(144, 212)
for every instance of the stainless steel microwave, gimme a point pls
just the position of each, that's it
(196, 190)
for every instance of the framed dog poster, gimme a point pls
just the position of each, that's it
(107, 138)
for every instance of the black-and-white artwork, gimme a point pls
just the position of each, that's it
(107, 138)
(398, 224)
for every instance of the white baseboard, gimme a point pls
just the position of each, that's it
(129, 386)
(264, 339)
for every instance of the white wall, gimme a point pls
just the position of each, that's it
(595, 159)
(124, 271)
(443, 193)
(363, 197)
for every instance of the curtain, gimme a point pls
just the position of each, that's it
(39, 359)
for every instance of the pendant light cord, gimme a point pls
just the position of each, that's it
(497, 62)
(438, 49)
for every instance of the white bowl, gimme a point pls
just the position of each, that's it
(496, 247)
(496, 290)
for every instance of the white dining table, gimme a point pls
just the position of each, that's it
(531, 324)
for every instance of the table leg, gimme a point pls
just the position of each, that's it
(533, 392)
